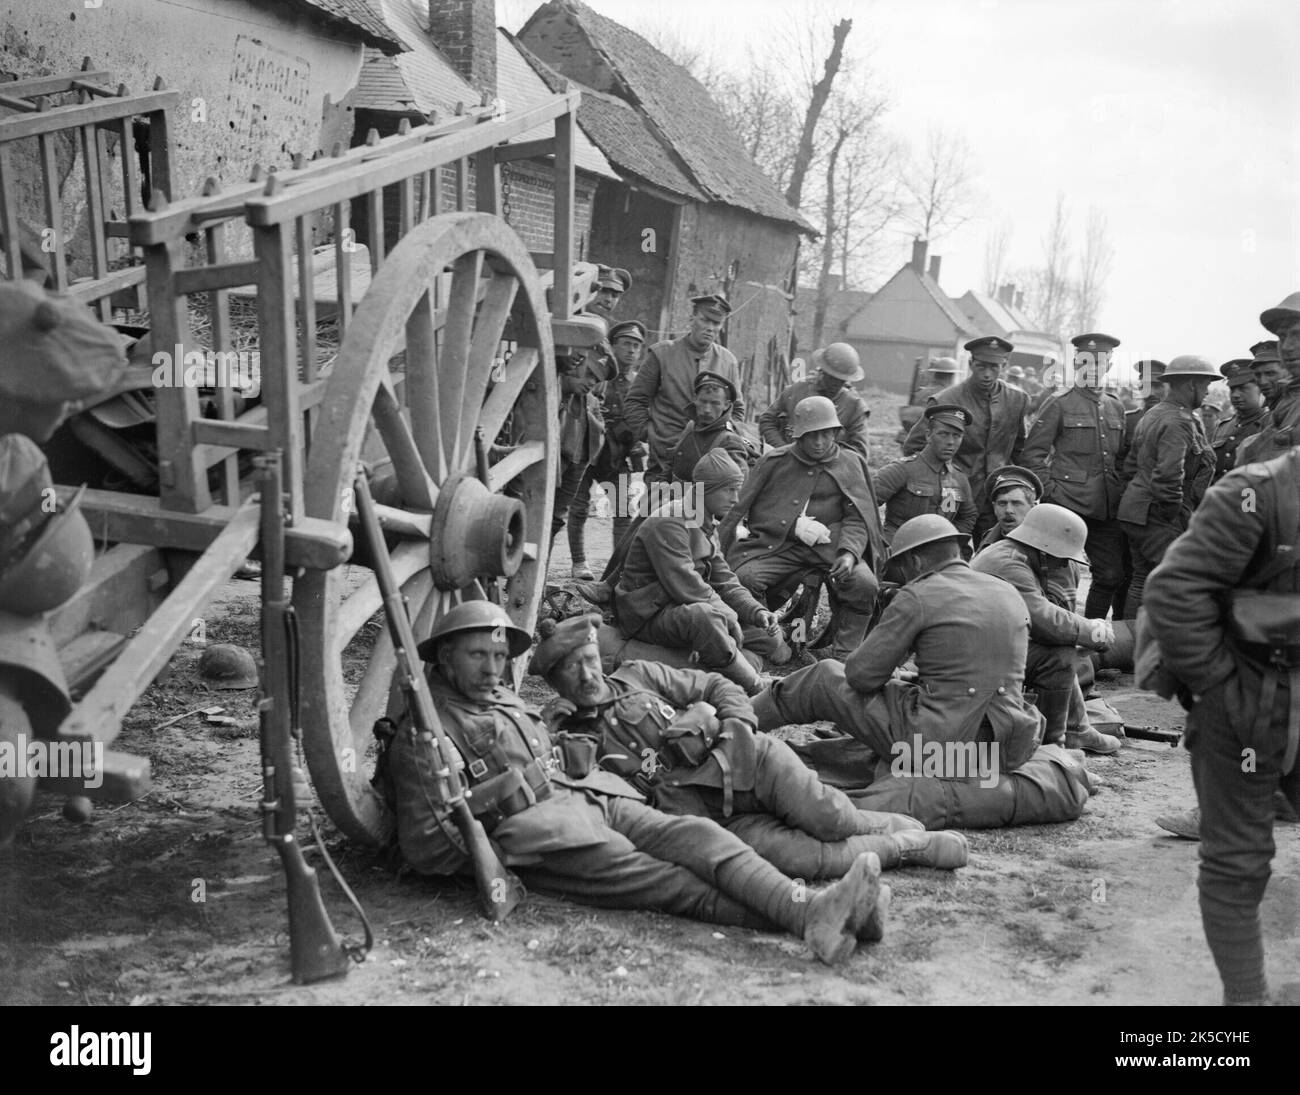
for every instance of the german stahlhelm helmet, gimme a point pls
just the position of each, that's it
(1054, 530)
(225, 665)
(476, 616)
(841, 360)
(943, 366)
(1190, 365)
(53, 568)
(929, 528)
(816, 412)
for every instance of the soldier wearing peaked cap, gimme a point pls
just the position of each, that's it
(1012, 491)
(838, 368)
(686, 740)
(1076, 447)
(1249, 414)
(928, 482)
(1174, 462)
(711, 428)
(1283, 430)
(661, 399)
(996, 433)
(810, 507)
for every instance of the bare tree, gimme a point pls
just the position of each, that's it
(1049, 292)
(829, 237)
(938, 182)
(820, 92)
(1094, 269)
(996, 246)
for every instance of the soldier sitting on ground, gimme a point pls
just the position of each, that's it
(711, 428)
(970, 636)
(1032, 557)
(676, 588)
(590, 838)
(927, 482)
(837, 370)
(639, 723)
(810, 509)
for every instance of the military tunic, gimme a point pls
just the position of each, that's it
(1282, 431)
(1231, 433)
(850, 408)
(920, 484)
(749, 783)
(970, 636)
(1242, 703)
(591, 839)
(1076, 448)
(677, 589)
(994, 438)
(661, 399)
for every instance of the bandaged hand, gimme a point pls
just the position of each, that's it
(810, 531)
(1101, 634)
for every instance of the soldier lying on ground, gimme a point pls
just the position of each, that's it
(592, 839)
(686, 740)
(970, 635)
(810, 508)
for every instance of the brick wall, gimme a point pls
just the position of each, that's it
(465, 31)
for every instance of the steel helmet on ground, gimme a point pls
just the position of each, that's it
(226, 665)
(929, 528)
(1054, 530)
(815, 412)
(1190, 365)
(475, 616)
(841, 360)
(53, 568)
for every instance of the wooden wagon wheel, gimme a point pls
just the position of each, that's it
(450, 536)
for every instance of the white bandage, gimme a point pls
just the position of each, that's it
(810, 531)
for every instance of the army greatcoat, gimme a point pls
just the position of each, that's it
(851, 409)
(994, 438)
(1173, 464)
(694, 441)
(661, 399)
(920, 484)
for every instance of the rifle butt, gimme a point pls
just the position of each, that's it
(499, 890)
(316, 952)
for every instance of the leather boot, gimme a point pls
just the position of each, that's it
(741, 671)
(1054, 703)
(876, 823)
(943, 850)
(1092, 741)
(871, 929)
(835, 911)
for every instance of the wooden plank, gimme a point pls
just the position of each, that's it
(306, 315)
(487, 182)
(87, 656)
(95, 210)
(96, 112)
(53, 211)
(51, 85)
(565, 181)
(134, 520)
(9, 217)
(273, 245)
(125, 584)
(524, 150)
(160, 142)
(99, 715)
(99, 288)
(375, 227)
(188, 215)
(222, 275)
(309, 396)
(305, 195)
(219, 310)
(342, 268)
(130, 167)
(236, 435)
(119, 777)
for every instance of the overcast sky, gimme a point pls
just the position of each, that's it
(1179, 119)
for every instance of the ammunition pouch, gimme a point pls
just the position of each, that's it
(578, 753)
(1266, 627)
(686, 747)
(494, 799)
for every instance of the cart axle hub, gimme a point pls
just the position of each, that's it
(476, 534)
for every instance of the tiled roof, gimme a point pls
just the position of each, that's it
(619, 132)
(354, 15)
(679, 107)
(842, 306)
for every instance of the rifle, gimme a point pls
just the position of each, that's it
(315, 950)
(499, 891)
